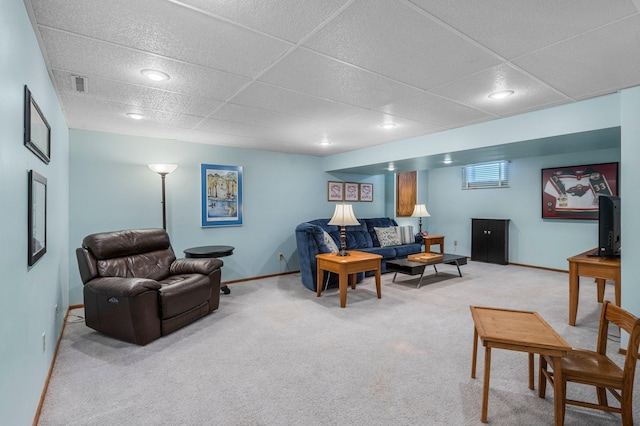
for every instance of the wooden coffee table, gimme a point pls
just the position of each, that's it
(410, 267)
(347, 267)
(523, 331)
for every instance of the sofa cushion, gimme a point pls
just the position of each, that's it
(328, 240)
(387, 236)
(405, 234)
(407, 249)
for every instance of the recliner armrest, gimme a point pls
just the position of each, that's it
(126, 287)
(203, 266)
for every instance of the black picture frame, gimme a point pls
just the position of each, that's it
(37, 209)
(37, 132)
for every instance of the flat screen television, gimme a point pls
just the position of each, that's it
(609, 225)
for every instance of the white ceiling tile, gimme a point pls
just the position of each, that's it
(323, 77)
(591, 64)
(81, 109)
(288, 19)
(137, 96)
(86, 57)
(475, 90)
(262, 117)
(166, 29)
(266, 96)
(517, 27)
(395, 41)
(436, 111)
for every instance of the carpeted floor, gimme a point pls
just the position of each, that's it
(274, 354)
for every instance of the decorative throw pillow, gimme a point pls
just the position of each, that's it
(330, 243)
(387, 236)
(405, 234)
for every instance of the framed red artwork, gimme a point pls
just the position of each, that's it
(572, 192)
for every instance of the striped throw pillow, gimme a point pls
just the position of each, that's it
(405, 234)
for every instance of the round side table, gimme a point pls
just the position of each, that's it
(211, 251)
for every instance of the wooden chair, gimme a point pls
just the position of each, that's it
(596, 369)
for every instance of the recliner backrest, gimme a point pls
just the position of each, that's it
(139, 253)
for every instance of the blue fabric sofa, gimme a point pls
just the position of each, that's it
(310, 241)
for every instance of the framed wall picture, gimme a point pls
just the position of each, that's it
(37, 132)
(366, 192)
(572, 192)
(335, 191)
(37, 212)
(351, 191)
(221, 189)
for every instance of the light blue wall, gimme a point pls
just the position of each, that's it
(533, 241)
(29, 294)
(112, 188)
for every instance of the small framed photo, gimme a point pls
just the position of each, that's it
(366, 192)
(37, 211)
(335, 191)
(37, 132)
(351, 191)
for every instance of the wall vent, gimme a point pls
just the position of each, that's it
(79, 83)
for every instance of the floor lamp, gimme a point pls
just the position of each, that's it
(163, 170)
(343, 216)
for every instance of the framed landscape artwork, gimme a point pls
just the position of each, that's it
(572, 192)
(37, 132)
(37, 211)
(335, 191)
(221, 188)
(351, 191)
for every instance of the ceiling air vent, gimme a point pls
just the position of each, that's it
(79, 83)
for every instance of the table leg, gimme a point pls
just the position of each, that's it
(558, 396)
(343, 289)
(616, 285)
(319, 283)
(485, 385)
(475, 353)
(378, 285)
(531, 386)
(600, 285)
(574, 289)
(352, 277)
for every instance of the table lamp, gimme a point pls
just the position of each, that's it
(343, 216)
(163, 170)
(420, 211)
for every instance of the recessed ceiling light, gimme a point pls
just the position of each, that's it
(155, 75)
(447, 161)
(325, 143)
(135, 115)
(502, 94)
(388, 126)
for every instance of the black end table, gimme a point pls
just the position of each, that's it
(410, 267)
(211, 251)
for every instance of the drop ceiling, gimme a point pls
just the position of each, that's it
(285, 75)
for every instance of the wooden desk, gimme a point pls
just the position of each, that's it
(432, 240)
(600, 268)
(523, 331)
(345, 267)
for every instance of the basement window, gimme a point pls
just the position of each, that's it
(494, 174)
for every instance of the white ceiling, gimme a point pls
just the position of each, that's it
(282, 75)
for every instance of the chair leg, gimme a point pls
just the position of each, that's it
(542, 379)
(602, 396)
(627, 411)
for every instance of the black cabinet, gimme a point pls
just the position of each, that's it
(490, 240)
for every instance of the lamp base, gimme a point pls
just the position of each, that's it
(343, 252)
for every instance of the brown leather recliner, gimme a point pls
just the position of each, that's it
(136, 290)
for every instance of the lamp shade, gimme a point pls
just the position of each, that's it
(420, 210)
(163, 169)
(343, 216)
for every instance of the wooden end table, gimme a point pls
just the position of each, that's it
(600, 268)
(432, 240)
(347, 267)
(523, 331)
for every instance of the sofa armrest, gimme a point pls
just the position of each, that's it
(203, 266)
(125, 287)
(418, 239)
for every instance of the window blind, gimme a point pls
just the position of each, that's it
(494, 174)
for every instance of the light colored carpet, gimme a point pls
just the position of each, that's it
(274, 354)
